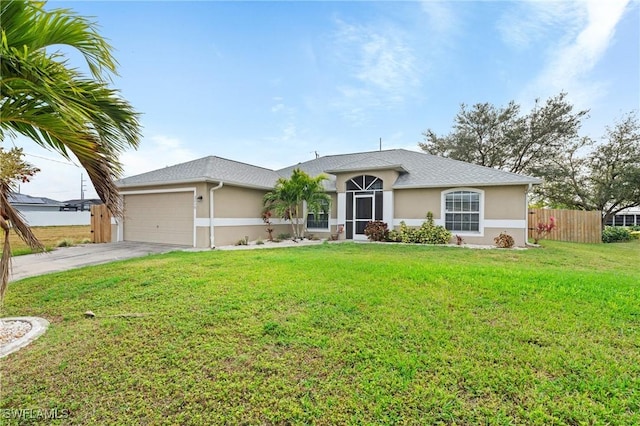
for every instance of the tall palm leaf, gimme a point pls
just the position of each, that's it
(44, 99)
(288, 195)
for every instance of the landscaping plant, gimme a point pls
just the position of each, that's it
(504, 240)
(376, 230)
(615, 234)
(543, 229)
(427, 233)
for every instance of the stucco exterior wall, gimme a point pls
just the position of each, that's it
(237, 202)
(505, 210)
(415, 203)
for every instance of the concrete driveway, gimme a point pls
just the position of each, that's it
(63, 259)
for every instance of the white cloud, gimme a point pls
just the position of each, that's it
(441, 19)
(156, 152)
(380, 65)
(571, 60)
(526, 22)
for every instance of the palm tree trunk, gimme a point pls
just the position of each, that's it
(5, 262)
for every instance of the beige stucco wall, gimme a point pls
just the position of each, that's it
(230, 235)
(505, 202)
(388, 178)
(415, 203)
(234, 201)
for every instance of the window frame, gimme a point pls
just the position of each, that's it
(306, 218)
(480, 212)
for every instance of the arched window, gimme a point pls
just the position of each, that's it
(462, 210)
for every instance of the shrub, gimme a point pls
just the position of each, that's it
(259, 242)
(615, 234)
(635, 235)
(67, 242)
(543, 229)
(504, 240)
(427, 233)
(284, 236)
(394, 236)
(376, 230)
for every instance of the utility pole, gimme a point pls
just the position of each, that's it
(82, 188)
(380, 144)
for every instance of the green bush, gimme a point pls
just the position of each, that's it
(427, 233)
(635, 235)
(615, 234)
(66, 242)
(394, 236)
(284, 236)
(376, 230)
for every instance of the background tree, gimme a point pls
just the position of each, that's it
(502, 138)
(607, 179)
(43, 98)
(287, 198)
(13, 170)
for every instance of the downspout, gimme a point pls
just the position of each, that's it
(211, 238)
(526, 210)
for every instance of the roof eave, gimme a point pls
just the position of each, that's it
(467, 184)
(396, 167)
(192, 181)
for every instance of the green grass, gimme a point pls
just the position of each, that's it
(338, 334)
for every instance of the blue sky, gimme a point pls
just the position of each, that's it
(271, 83)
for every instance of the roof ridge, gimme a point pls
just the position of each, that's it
(240, 162)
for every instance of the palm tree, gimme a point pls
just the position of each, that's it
(288, 195)
(43, 98)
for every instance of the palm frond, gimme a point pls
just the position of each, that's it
(27, 25)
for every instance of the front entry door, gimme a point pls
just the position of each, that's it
(363, 206)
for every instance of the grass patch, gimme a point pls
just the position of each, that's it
(51, 236)
(338, 333)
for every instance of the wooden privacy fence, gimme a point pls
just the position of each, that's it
(575, 226)
(100, 224)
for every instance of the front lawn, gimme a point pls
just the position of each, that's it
(337, 334)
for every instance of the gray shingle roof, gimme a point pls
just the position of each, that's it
(15, 198)
(205, 169)
(417, 170)
(422, 170)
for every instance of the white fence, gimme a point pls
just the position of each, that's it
(57, 218)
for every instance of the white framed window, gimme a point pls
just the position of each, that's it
(463, 210)
(320, 219)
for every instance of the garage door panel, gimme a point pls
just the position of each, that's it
(159, 218)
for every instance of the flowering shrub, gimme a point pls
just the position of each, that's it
(543, 229)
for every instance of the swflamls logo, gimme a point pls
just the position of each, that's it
(33, 413)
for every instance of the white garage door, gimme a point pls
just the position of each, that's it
(159, 218)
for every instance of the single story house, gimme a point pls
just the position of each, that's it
(214, 201)
(627, 217)
(27, 203)
(82, 204)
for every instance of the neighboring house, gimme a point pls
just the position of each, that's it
(27, 203)
(81, 204)
(214, 201)
(628, 217)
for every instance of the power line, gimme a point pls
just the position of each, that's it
(67, 163)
